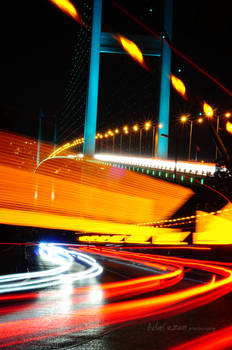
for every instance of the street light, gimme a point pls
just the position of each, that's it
(155, 135)
(135, 128)
(185, 119)
(227, 115)
(147, 125)
(140, 140)
(125, 129)
(112, 134)
(101, 144)
(129, 148)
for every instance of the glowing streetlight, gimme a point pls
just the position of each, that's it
(183, 119)
(112, 134)
(135, 128)
(116, 131)
(147, 125)
(125, 128)
(227, 114)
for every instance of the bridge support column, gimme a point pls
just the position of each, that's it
(162, 149)
(92, 98)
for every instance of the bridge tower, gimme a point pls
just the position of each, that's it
(102, 42)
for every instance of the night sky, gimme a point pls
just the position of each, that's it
(37, 50)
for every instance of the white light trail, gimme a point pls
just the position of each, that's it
(190, 168)
(52, 277)
(203, 169)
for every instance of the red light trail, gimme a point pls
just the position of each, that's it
(84, 316)
(216, 340)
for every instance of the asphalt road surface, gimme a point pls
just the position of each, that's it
(70, 297)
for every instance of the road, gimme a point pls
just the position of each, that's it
(134, 299)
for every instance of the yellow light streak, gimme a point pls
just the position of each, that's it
(208, 110)
(178, 85)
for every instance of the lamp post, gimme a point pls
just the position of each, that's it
(113, 143)
(147, 126)
(129, 141)
(135, 128)
(116, 132)
(153, 140)
(227, 115)
(190, 139)
(110, 133)
(184, 119)
(120, 145)
(106, 137)
(155, 129)
(125, 130)
(101, 142)
(217, 130)
(140, 140)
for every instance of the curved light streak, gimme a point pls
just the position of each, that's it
(216, 340)
(52, 277)
(168, 303)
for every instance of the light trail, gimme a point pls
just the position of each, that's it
(217, 340)
(173, 48)
(67, 7)
(178, 85)
(206, 169)
(132, 49)
(166, 304)
(52, 277)
(108, 196)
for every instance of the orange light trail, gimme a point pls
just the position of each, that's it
(67, 7)
(208, 110)
(229, 127)
(122, 311)
(173, 48)
(178, 85)
(132, 49)
(108, 196)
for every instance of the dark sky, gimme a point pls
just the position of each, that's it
(37, 48)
